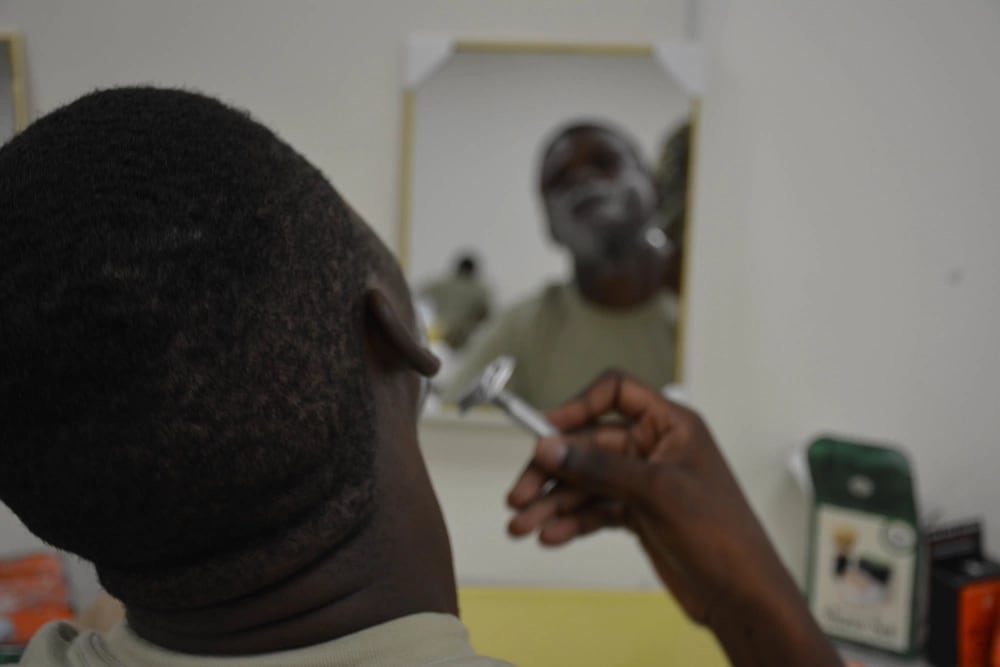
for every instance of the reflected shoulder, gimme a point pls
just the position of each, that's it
(552, 297)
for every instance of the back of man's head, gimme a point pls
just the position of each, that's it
(183, 380)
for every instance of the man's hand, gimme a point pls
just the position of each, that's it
(658, 472)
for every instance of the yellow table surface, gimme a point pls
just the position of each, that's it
(535, 627)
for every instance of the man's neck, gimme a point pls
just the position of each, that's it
(313, 607)
(399, 565)
(624, 284)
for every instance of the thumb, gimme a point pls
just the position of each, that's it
(593, 469)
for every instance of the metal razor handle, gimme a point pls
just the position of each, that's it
(489, 388)
(525, 415)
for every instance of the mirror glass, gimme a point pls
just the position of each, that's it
(481, 123)
(7, 116)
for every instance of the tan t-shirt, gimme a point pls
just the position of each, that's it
(413, 641)
(561, 342)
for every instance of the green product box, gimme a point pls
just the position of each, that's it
(10, 655)
(864, 546)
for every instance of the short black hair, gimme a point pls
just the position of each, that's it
(575, 128)
(182, 372)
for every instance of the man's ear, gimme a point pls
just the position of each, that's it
(402, 342)
(555, 231)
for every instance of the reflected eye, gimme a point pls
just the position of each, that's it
(606, 161)
(557, 180)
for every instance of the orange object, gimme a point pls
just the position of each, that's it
(33, 592)
(995, 660)
(978, 605)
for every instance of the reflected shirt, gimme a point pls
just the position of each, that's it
(561, 342)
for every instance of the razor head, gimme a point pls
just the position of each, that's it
(488, 385)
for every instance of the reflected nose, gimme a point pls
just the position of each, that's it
(590, 174)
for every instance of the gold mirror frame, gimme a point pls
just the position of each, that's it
(18, 84)
(623, 50)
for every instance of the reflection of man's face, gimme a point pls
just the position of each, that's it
(598, 196)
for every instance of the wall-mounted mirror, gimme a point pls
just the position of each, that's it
(13, 100)
(543, 206)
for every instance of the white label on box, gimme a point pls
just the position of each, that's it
(862, 578)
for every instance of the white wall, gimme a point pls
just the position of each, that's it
(846, 266)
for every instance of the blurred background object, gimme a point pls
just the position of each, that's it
(460, 302)
(33, 591)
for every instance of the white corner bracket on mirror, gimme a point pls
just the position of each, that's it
(426, 53)
(440, 68)
(13, 88)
